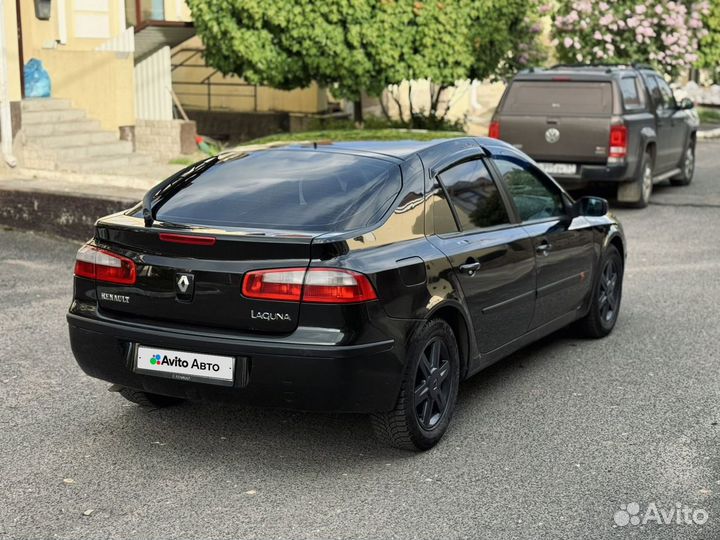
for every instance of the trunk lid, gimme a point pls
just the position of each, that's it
(199, 285)
(558, 121)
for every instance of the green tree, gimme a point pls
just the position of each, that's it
(710, 44)
(356, 46)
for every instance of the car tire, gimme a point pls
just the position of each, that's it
(149, 401)
(636, 194)
(687, 167)
(606, 296)
(428, 393)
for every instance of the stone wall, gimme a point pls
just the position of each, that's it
(165, 139)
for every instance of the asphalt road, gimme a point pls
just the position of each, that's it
(546, 444)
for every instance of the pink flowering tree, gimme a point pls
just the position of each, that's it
(664, 33)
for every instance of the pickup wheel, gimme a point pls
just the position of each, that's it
(636, 194)
(687, 167)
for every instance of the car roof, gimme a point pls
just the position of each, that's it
(582, 72)
(388, 150)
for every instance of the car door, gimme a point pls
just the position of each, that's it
(677, 133)
(492, 256)
(564, 249)
(670, 135)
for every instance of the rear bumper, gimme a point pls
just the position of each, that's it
(599, 174)
(348, 378)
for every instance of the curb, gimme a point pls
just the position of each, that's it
(68, 215)
(709, 134)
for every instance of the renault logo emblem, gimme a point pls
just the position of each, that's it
(184, 285)
(552, 135)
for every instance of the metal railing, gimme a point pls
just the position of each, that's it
(209, 86)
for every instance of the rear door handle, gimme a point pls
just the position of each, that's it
(470, 268)
(544, 247)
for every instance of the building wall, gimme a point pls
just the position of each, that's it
(237, 97)
(100, 82)
(471, 102)
(11, 41)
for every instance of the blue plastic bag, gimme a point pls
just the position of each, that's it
(37, 80)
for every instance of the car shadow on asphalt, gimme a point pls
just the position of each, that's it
(223, 434)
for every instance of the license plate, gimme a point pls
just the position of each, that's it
(558, 168)
(185, 366)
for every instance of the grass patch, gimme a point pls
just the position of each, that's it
(709, 115)
(182, 161)
(358, 135)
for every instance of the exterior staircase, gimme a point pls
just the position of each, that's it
(60, 137)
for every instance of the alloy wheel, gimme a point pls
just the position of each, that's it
(432, 384)
(689, 163)
(609, 294)
(647, 183)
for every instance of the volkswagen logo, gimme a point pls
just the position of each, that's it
(552, 135)
(184, 286)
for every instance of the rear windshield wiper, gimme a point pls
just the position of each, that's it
(171, 184)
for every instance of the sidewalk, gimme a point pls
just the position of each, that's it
(68, 204)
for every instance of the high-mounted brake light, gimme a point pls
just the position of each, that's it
(618, 143)
(102, 265)
(189, 239)
(316, 285)
(494, 130)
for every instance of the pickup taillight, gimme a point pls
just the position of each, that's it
(494, 130)
(618, 143)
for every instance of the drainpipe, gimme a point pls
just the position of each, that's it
(5, 114)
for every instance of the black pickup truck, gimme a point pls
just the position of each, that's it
(588, 124)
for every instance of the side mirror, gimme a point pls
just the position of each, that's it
(685, 104)
(591, 207)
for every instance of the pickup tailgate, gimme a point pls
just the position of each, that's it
(558, 121)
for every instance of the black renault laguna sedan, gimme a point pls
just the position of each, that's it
(364, 277)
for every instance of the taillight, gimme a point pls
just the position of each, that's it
(316, 285)
(618, 142)
(494, 130)
(284, 284)
(102, 265)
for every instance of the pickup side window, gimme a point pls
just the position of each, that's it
(631, 94)
(667, 97)
(535, 196)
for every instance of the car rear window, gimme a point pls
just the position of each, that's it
(286, 190)
(558, 97)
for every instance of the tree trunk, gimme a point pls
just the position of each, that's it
(358, 112)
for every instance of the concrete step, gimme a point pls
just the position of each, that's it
(76, 153)
(45, 104)
(50, 117)
(108, 164)
(72, 140)
(71, 126)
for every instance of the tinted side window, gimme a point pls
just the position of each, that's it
(442, 215)
(630, 93)
(474, 196)
(534, 195)
(668, 99)
(653, 90)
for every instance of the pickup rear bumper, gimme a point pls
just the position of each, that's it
(599, 174)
